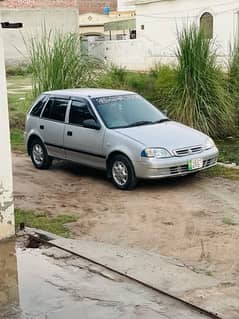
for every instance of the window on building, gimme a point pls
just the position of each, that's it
(206, 24)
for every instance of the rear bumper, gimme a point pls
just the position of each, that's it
(174, 166)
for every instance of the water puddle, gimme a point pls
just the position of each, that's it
(46, 283)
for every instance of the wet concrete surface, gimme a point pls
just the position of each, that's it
(47, 283)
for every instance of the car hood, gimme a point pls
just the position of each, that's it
(170, 135)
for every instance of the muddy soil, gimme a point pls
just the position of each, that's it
(189, 218)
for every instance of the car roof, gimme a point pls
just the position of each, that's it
(88, 92)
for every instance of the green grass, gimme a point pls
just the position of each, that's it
(19, 100)
(229, 150)
(229, 221)
(17, 140)
(56, 225)
(17, 70)
(220, 171)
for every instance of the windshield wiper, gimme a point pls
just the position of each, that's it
(162, 121)
(139, 123)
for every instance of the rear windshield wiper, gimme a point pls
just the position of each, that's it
(139, 123)
(162, 121)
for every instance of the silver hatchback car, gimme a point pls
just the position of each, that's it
(117, 131)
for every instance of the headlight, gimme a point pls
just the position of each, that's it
(155, 153)
(209, 144)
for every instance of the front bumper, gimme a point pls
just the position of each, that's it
(174, 166)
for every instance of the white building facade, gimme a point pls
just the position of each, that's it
(126, 5)
(158, 23)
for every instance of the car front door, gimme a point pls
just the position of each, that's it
(84, 144)
(52, 126)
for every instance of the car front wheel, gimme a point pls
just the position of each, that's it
(122, 173)
(39, 156)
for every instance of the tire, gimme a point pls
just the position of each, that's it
(39, 156)
(122, 173)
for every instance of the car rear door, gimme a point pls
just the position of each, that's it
(83, 145)
(52, 125)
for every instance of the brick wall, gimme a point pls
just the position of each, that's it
(38, 3)
(85, 6)
(96, 6)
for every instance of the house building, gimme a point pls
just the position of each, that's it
(95, 26)
(95, 14)
(158, 23)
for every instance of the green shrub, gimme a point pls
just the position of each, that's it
(117, 74)
(113, 77)
(156, 85)
(163, 79)
(201, 95)
(233, 77)
(57, 62)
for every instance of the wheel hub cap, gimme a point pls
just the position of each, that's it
(120, 173)
(38, 154)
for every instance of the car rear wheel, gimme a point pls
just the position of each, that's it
(39, 156)
(122, 173)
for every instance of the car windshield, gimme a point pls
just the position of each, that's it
(129, 110)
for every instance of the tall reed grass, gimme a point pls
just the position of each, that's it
(56, 62)
(233, 77)
(202, 99)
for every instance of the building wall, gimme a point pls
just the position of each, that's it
(33, 20)
(38, 3)
(157, 24)
(84, 6)
(124, 53)
(96, 6)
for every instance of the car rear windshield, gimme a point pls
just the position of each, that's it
(37, 108)
(129, 110)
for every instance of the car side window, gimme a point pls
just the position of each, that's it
(80, 112)
(55, 109)
(37, 109)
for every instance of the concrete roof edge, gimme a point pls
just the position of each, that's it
(139, 2)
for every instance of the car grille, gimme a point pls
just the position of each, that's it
(188, 151)
(175, 170)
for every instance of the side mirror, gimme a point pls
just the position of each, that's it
(91, 123)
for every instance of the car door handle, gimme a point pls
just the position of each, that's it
(42, 127)
(69, 133)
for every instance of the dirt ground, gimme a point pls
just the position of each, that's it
(195, 219)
